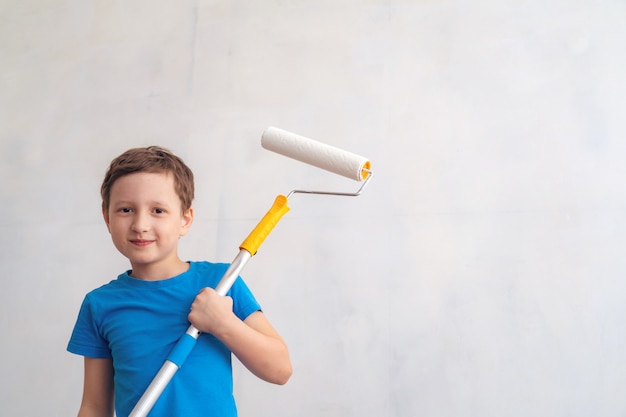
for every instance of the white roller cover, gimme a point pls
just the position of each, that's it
(316, 153)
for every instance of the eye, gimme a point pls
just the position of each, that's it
(159, 211)
(125, 210)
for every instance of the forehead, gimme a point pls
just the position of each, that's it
(144, 185)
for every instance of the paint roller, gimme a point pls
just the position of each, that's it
(297, 147)
(316, 153)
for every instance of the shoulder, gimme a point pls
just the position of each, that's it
(107, 288)
(207, 267)
(206, 271)
(102, 296)
(210, 274)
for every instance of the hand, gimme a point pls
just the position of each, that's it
(211, 312)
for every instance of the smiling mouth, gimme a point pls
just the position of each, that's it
(141, 243)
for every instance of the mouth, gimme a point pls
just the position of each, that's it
(141, 242)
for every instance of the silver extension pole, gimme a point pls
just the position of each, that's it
(188, 340)
(185, 344)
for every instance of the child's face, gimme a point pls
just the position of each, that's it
(145, 220)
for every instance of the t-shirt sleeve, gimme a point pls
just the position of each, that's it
(86, 339)
(244, 302)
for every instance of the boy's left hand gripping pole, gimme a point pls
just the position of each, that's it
(177, 356)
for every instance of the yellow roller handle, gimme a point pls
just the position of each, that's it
(256, 238)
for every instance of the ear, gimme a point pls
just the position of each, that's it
(105, 214)
(185, 221)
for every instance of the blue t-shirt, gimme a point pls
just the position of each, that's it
(136, 323)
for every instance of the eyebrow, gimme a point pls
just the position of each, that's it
(131, 203)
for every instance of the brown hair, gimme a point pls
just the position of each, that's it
(152, 159)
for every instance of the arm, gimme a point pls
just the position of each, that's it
(97, 389)
(254, 341)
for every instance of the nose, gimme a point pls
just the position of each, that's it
(141, 223)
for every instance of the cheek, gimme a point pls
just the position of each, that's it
(116, 227)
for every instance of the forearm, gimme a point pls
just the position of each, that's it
(87, 411)
(254, 341)
(258, 347)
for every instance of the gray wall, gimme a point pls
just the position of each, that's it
(482, 271)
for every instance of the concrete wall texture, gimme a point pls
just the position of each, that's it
(481, 273)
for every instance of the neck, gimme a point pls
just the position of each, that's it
(158, 272)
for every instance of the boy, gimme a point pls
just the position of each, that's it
(126, 329)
